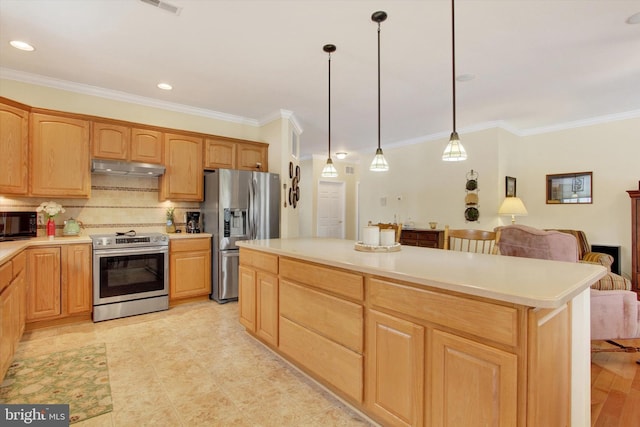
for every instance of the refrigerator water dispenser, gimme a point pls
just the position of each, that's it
(235, 222)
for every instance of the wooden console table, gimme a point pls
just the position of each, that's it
(423, 237)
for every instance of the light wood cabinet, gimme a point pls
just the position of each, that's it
(43, 292)
(59, 282)
(146, 146)
(14, 149)
(184, 176)
(395, 369)
(189, 268)
(110, 141)
(231, 153)
(12, 309)
(60, 163)
(122, 142)
(252, 157)
(258, 295)
(76, 278)
(219, 153)
(479, 378)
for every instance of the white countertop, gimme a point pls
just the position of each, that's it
(9, 249)
(523, 281)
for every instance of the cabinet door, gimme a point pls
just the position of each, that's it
(14, 148)
(395, 369)
(60, 164)
(43, 290)
(146, 146)
(219, 154)
(247, 297)
(77, 278)
(267, 307)
(110, 141)
(472, 384)
(184, 175)
(253, 157)
(190, 270)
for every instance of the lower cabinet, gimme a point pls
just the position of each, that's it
(258, 295)
(12, 309)
(59, 282)
(189, 268)
(395, 369)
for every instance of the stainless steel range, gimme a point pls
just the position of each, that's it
(130, 274)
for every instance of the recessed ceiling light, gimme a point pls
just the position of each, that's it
(165, 86)
(465, 77)
(341, 155)
(22, 45)
(634, 19)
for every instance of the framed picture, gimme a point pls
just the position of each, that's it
(574, 188)
(509, 186)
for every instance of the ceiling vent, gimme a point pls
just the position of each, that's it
(164, 6)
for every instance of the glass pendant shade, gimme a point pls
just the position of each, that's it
(329, 171)
(454, 151)
(379, 163)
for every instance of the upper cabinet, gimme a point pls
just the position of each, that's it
(121, 142)
(60, 162)
(235, 154)
(184, 177)
(253, 156)
(14, 149)
(110, 141)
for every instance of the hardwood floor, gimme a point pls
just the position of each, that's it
(615, 386)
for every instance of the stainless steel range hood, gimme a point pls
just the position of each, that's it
(116, 167)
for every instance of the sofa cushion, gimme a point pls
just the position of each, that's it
(524, 241)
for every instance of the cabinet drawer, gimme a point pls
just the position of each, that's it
(259, 260)
(483, 319)
(339, 282)
(190, 245)
(409, 235)
(339, 320)
(331, 362)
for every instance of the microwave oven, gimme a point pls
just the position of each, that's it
(18, 225)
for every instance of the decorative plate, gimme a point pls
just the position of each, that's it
(472, 184)
(471, 214)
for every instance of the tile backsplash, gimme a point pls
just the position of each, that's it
(117, 203)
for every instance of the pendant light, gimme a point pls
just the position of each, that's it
(454, 152)
(329, 171)
(379, 163)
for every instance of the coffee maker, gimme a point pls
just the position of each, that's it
(192, 219)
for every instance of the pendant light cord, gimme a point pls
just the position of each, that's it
(378, 85)
(329, 114)
(453, 51)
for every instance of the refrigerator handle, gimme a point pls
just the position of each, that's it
(252, 207)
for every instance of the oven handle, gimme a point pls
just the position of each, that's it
(131, 251)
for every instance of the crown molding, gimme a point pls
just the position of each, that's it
(282, 114)
(39, 80)
(634, 114)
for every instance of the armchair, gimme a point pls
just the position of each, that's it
(609, 282)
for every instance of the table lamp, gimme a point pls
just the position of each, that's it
(512, 206)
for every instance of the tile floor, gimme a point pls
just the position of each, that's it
(194, 365)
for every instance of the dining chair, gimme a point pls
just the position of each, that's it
(470, 240)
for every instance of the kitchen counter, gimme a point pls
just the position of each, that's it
(523, 281)
(9, 249)
(178, 236)
(407, 337)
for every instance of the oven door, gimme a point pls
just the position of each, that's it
(125, 274)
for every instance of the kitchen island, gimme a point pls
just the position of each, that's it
(425, 336)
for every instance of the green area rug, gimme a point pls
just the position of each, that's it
(78, 377)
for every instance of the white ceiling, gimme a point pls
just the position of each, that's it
(539, 64)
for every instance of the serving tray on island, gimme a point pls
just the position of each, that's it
(359, 246)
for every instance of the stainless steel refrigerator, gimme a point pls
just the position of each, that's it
(238, 205)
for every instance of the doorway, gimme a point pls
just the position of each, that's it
(331, 209)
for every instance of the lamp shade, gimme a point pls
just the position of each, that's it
(329, 171)
(512, 206)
